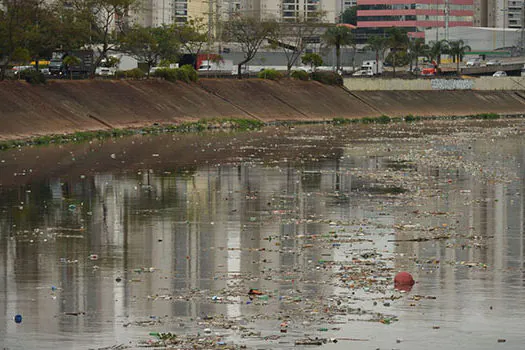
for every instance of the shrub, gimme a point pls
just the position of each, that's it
(166, 74)
(191, 72)
(135, 73)
(411, 118)
(33, 77)
(271, 74)
(182, 75)
(300, 75)
(186, 73)
(328, 78)
(487, 116)
(384, 119)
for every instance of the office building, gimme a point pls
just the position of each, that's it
(374, 16)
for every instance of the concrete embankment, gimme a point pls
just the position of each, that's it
(69, 106)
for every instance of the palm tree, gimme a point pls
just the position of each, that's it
(437, 48)
(397, 41)
(377, 44)
(417, 49)
(457, 49)
(338, 37)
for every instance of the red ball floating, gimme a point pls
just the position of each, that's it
(404, 279)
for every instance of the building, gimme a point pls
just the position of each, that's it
(155, 13)
(374, 16)
(291, 10)
(480, 39)
(499, 13)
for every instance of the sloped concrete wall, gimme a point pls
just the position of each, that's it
(424, 84)
(69, 106)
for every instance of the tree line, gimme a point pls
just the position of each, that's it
(407, 51)
(33, 29)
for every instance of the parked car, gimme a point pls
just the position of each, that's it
(493, 63)
(45, 71)
(364, 73)
(105, 72)
(473, 62)
(499, 73)
(19, 69)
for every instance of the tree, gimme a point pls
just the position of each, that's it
(107, 22)
(417, 48)
(27, 24)
(70, 61)
(350, 16)
(293, 37)
(249, 33)
(338, 37)
(379, 45)
(436, 49)
(457, 49)
(111, 62)
(147, 45)
(313, 60)
(191, 35)
(397, 41)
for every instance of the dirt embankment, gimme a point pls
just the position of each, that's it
(69, 106)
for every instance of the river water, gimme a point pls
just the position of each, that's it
(103, 243)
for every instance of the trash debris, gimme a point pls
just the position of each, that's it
(311, 341)
(18, 318)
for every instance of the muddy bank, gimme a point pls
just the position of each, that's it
(69, 106)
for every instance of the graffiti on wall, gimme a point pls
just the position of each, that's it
(451, 84)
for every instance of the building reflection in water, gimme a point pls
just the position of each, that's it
(200, 228)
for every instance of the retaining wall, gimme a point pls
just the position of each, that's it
(69, 106)
(425, 84)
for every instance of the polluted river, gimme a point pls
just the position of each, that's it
(285, 237)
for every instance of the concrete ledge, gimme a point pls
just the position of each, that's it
(425, 84)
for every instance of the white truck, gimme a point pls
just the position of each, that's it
(223, 67)
(369, 68)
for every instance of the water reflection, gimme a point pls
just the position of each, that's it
(164, 234)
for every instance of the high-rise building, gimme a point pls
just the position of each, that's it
(291, 10)
(154, 13)
(499, 13)
(374, 16)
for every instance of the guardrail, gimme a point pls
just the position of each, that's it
(492, 69)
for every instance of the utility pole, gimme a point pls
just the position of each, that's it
(447, 11)
(523, 28)
(210, 28)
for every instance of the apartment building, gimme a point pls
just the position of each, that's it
(499, 13)
(292, 10)
(415, 16)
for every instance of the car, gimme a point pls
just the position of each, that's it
(473, 62)
(104, 71)
(493, 63)
(499, 73)
(19, 69)
(45, 71)
(363, 73)
(304, 69)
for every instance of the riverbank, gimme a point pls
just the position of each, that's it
(66, 107)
